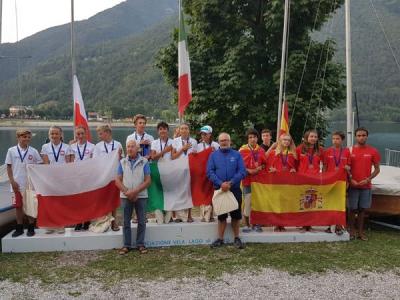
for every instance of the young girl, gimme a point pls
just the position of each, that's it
(310, 156)
(16, 160)
(184, 145)
(206, 141)
(283, 160)
(106, 145)
(81, 150)
(56, 152)
(161, 150)
(337, 159)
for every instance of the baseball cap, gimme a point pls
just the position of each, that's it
(206, 129)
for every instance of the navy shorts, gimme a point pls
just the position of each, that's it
(235, 214)
(359, 198)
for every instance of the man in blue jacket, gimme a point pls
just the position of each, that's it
(225, 169)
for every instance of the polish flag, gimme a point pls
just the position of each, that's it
(184, 80)
(80, 118)
(70, 194)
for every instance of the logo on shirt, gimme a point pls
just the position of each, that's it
(311, 199)
(87, 151)
(232, 159)
(30, 157)
(62, 152)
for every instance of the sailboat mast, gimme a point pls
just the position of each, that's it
(283, 65)
(1, 17)
(349, 123)
(73, 66)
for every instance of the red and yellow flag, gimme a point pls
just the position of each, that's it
(283, 199)
(285, 119)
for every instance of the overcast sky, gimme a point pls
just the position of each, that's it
(37, 15)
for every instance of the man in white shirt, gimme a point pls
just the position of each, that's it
(143, 139)
(16, 160)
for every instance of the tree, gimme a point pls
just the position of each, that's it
(235, 52)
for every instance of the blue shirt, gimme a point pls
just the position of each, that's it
(225, 165)
(146, 167)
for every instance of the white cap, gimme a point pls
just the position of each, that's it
(206, 129)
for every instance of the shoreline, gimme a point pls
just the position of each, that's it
(13, 123)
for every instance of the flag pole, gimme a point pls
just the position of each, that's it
(349, 123)
(1, 18)
(283, 64)
(73, 66)
(180, 17)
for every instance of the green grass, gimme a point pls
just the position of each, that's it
(381, 252)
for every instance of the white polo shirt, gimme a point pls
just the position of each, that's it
(179, 142)
(103, 148)
(56, 153)
(201, 146)
(82, 152)
(18, 162)
(141, 137)
(158, 146)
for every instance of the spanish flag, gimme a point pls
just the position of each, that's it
(285, 119)
(291, 199)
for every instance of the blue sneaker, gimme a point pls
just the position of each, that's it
(247, 229)
(258, 228)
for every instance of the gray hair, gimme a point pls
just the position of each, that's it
(224, 133)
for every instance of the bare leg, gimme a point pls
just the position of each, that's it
(20, 215)
(360, 223)
(247, 221)
(352, 222)
(221, 229)
(235, 227)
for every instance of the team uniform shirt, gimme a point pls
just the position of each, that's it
(179, 142)
(82, 152)
(159, 145)
(309, 163)
(282, 162)
(102, 148)
(265, 147)
(144, 149)
(336, 159)
(18, 158)
(362, 160)
(56, 153)
(201, 146)
(252, 158)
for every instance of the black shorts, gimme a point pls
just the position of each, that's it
(235, 214)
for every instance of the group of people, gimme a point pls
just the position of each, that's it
(227, 169)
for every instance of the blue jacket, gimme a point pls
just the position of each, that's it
(225, 165)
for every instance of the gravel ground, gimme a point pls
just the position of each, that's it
(271, 284)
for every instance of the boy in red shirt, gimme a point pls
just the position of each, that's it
(254, 161)
(363, 157)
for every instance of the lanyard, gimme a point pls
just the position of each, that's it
(187, 142)
(141, 139)
(337, 161)
(206, 146)
(20, 155)
(56, 156)
(285, 159)
(165, 145)
(310, 157)
(81, 156)
(112, 146)
(254, 154)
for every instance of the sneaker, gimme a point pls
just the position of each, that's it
(247, 229)
(258, 228)
(50, 231)
(86, 226)
(61, 230)
(31, 230)
(238, 243)
(19, 230)
(217, 243)
(78, 227)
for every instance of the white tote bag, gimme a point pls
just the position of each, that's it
(224, 202)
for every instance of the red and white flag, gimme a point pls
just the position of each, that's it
(80, 118)
(285, 119)
(184, 81)
(74, 193)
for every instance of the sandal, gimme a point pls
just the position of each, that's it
(114, 226)
(190, 220)
(339, 230)
(363, 237)
(328, 230)
(123, 251)
(142, 250)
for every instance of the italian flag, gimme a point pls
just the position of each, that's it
(80, 117)
(73, 193)
(184, 80)
(181, 183)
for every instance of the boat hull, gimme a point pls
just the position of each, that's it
(385, 205)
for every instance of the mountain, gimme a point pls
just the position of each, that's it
(116, 52)
(128, 18)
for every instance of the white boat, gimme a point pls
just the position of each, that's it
(7, 212)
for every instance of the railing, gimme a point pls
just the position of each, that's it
(392, 157)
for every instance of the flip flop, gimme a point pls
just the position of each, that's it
(123, 251)
(142, 250)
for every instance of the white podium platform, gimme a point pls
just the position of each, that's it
(165, 235)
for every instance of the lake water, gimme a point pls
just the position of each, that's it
(382, 135)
